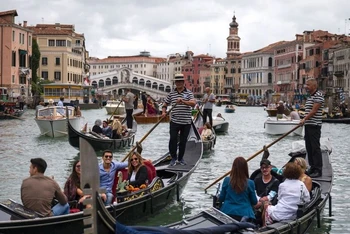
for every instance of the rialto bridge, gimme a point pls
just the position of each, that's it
(116, 80)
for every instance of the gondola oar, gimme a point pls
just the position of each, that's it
(149, 132)
(114, 111)
(254, 155)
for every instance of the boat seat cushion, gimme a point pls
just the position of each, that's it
(151, 170)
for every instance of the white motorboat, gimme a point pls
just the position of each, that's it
(52, 120)
(281, 126)
(220, 125)
(112, 105)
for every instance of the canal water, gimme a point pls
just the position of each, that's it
(20, 141)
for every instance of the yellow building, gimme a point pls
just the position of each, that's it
(63, 53)
(218, 72)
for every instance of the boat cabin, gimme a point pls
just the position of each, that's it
(55, 112)
(70, 92)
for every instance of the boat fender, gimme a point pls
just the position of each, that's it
(318, 214)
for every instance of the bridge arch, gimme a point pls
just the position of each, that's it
(94, 84)
(148, 84)
(115, 80)
(167, 89)
(161, 87)
(108, 81)
(155, 85)
(142, 82)
(101, 83)
(135, 80)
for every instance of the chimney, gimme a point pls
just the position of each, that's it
(25, 23)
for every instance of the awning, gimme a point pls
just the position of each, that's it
(24, 71)
(22, 52)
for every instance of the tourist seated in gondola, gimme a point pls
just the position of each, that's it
(116, 129)
(106, 129)
(38, 191)
(238, 192)
(304, 177)
(125, 131)
(206, 133)
(72, 188)
(2, 106)
(151, 110)
(137, 171)
(266, 187)
(291, 192)
(97, 127)
(77, 111)
(108, 168)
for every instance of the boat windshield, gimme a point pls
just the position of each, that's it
(55, 111)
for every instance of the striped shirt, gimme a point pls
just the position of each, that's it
(317, 97)
(181, 114)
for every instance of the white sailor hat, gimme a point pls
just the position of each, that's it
(179, 77)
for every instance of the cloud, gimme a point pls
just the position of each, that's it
(119, 27)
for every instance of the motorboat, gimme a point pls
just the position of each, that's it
(230, 109)
(220, 125)
(281, 126)
(52, 120)
(115, 107)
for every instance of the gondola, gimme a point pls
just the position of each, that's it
(150, 119)
(208, 144)
(16, 115)
(336, 120)
(100, 143)
(164, 189)
(214, 221)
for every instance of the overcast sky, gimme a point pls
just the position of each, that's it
(162, 27)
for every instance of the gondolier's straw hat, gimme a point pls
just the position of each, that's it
(179, 77)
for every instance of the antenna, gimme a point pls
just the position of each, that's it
(42, 19)
(209, 49)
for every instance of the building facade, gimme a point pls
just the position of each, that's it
(63, 53)
(172, 65)
(258, 72)
(15, 55)
(143, 64)
(218, 73)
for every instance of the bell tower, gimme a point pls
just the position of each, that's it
(233, 40)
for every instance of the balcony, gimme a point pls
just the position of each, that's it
(339, 73)
(77, 45)
(284, 66)
(281, 82)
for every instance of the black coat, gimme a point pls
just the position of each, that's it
(140, 178)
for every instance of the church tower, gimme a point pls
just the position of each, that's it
(233, 40)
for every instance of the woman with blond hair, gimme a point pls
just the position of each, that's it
(238, 192)
(290, 193)
(137, 171)
(304, 178)
(116, 129)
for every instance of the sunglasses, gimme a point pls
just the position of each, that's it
(134, 159)
(108, 156)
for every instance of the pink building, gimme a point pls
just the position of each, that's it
(15, 55)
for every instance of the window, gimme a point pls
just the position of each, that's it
(69, 44)
(30, 40)
(45, 75)
(13, 35)
(13, 78)
(44, 61)
(61, 43)
(13, 58)
(51, 42)
(20, 38)
(58, 61)
(58, 75)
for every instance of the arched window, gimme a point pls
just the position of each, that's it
(270, 62)
(94, 84)
(269, 78)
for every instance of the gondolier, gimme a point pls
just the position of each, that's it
(208, 100)
(313, 123)
(180, 118)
